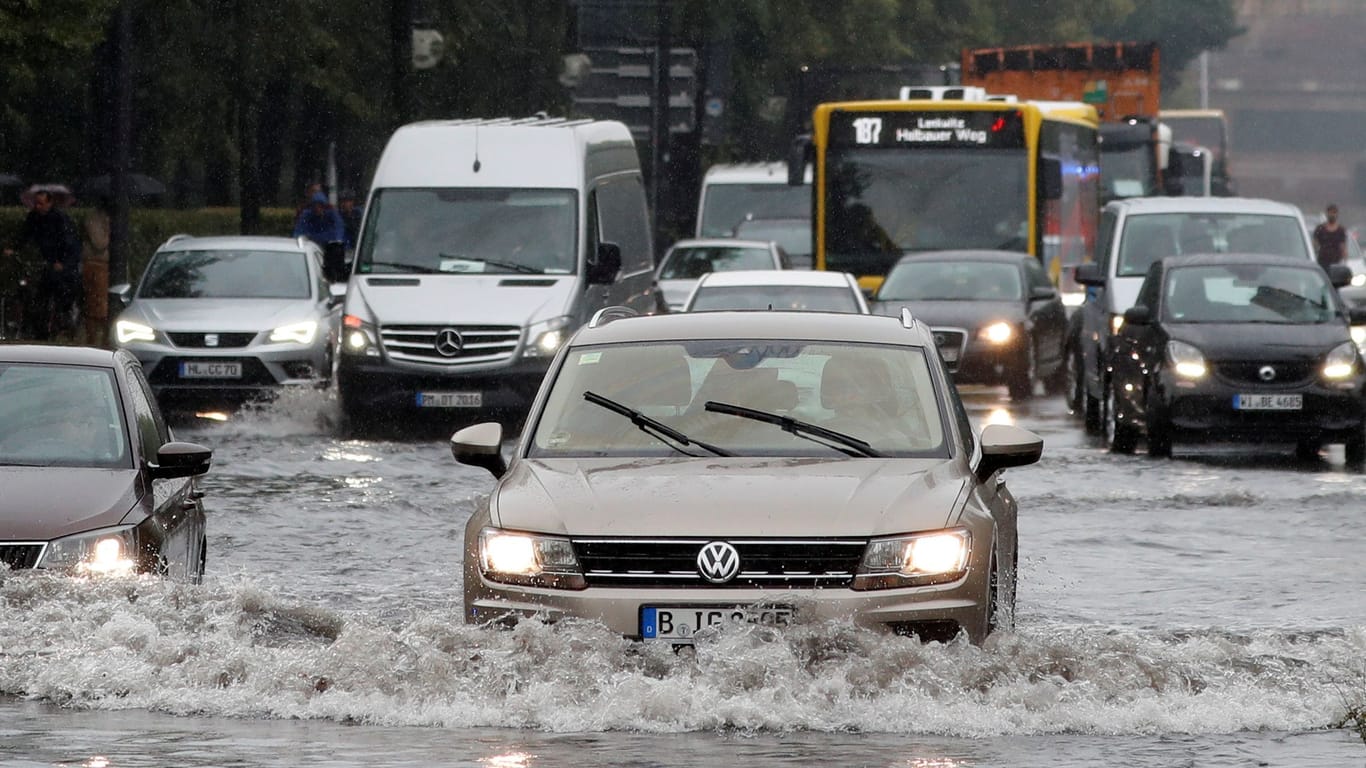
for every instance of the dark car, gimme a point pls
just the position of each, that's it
(996, 316)
(1246, 348)
(93, 482)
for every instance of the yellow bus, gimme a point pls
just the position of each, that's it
(895, 177)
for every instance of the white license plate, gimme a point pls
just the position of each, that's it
(450, 399)
(1268, 402)
(678, 623)
(210, 369)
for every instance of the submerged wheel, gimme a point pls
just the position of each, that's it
(1120, 435)
(1159, 436)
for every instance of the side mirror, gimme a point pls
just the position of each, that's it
(1138, 315)
(800, 154)
(1340, 275)
(1005, 446)
(1042, 293)
(121, 295)
(1050, 178)
(176, 459)
(336, 294)
(480, 445)
(1356, 315)
(606, 263)
(334, 262)
(1089, 274)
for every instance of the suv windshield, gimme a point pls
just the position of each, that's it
(1248, 293)
(65, 416)
(952, 281)
(227, 274)
(881, 395)
(470, 231)
(1151, 236)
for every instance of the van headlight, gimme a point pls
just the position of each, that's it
(545, 338)
(299, 333)
(1341, 363)
(107, 552)
(915, 560)
(1186, 360)
(529, 560)
(127, 330)
(358, 337)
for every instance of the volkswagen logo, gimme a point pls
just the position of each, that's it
(718, 562)
(1266, 373)
(449, 342)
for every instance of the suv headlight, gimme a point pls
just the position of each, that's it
(127, 330)
(106, 552)
(529, 560)
(915, 560)
(299, 333)
(1341, 363)
(545, 338)
(359, 337)
(1186, 360)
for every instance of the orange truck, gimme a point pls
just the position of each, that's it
(1120, 79)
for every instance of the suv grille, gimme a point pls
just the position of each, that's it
(477, 343)
(1288, 373)
(769, 563)
(18, 556)
(225, 340)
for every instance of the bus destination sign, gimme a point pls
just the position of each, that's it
(910, 129)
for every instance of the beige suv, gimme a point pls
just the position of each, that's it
(681, 472)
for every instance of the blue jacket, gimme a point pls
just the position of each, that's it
(321, 228)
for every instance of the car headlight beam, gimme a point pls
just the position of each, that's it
(299, 333)
(108, 552)
(1186, 360)
(915, 560)
(126, 331)
(528, 559)
(997, 333)
(544, 339)
(1341, 363)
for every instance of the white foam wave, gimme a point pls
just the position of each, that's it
(233, 648)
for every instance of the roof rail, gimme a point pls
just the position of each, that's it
(608, 314)
(906, 320)
(303, 242)
(177, 236)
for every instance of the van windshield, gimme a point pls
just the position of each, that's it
(470, 231)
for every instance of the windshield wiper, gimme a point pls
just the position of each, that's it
(511, 266)
(847, 444)
(402, 266)
(656, 429)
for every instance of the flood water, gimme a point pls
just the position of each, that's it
(1204, 611)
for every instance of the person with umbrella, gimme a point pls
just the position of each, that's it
(48, 227)
(320, 222)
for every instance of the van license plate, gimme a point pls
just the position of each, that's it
(678, 623)
(450, 399)
(210, 369)
(1268, 402)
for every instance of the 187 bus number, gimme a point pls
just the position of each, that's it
(867, 130)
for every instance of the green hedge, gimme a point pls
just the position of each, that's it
(148, 228)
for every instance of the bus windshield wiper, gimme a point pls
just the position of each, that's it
(511, 266)
(402, 266)
(656, 429)
(846, 444)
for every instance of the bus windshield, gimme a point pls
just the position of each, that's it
(883, 203)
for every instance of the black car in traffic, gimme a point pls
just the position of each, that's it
(996, 316)
(1239, 348)
(93, 483)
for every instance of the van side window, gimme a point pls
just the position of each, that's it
(624, 219)
(1105, 240)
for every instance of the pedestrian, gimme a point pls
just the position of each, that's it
(1330, 239)
(320, 222)
(95, 274)
(49, 228)
(351, 214)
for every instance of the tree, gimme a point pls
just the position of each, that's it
(1182, 29)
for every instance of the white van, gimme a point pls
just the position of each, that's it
(735, 193)
(485, 244)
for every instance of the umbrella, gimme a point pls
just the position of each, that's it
(138, 186)
(61, 194)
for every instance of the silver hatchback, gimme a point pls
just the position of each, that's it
(221, 320)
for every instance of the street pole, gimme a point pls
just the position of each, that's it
(401, 57)
(659, 132)
(122, 141)
(1204, 79)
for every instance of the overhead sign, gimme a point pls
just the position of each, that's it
(1003, 128)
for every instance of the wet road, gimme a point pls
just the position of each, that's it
(1204, 611)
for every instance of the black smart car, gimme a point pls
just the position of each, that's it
(1242, 348)
(995, 315)
(93, 483)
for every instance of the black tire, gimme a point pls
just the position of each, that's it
(1307, 450)
(1354, 450)
(1021, 381)
(1093, 413)
(1120, 435)
(1159, 436)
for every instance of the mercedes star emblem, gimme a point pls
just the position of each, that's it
(718, 562)
(1266, 373)
(448, 342)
